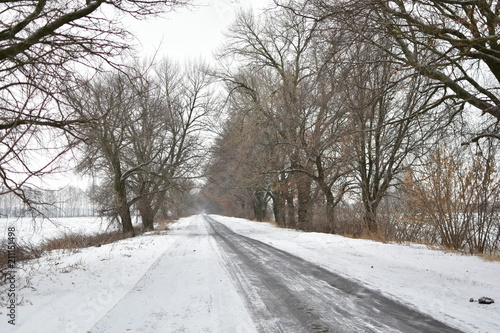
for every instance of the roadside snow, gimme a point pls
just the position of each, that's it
(435, 282)
(71, 292)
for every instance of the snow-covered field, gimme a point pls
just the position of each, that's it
(36, 231)
(71, 292)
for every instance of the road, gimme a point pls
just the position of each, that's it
(215, 280)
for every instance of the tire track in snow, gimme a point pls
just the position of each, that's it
(185, 290)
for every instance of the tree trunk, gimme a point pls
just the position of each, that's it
(291, 220)
(330, 211)
(304, 210)
(370, 217)
(279, 208)
(123, 210)
(121, 200)
(147, 214)
(259, 205)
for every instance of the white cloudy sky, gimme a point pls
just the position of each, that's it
(191, 33)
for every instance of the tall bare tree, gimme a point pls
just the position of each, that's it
(390, 121)
(109, 105)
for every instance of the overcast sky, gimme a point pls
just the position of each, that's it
(191, 33)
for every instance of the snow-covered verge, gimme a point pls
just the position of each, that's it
(69, 291)
(435, 282)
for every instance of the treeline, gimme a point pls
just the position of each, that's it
(69, 201)
(360, 117)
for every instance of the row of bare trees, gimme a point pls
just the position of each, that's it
(68, 201)
(335, 111)
(142, 138)
(335, 106)
(135, 128)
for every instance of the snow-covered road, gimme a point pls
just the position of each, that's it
(185, 290)
(214, 280)
(220, 274)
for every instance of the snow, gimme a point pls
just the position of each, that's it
(69, 292)
(191, 288)
(175, 280)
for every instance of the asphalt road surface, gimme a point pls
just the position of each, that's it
(288, 294)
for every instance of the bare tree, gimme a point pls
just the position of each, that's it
(109, 104)
(455, 195)
(389, 119)
(173, 104)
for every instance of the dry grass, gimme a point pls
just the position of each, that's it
(23, 252)
(493, 257)
(70, 240)
(376, 237)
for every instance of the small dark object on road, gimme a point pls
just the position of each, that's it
(483, 300)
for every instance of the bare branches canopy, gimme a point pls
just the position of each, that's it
(43, 44)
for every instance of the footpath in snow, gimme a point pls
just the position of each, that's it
(174, 282)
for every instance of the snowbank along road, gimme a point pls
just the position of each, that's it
(215, 280)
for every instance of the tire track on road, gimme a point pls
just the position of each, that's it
(286, 293)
